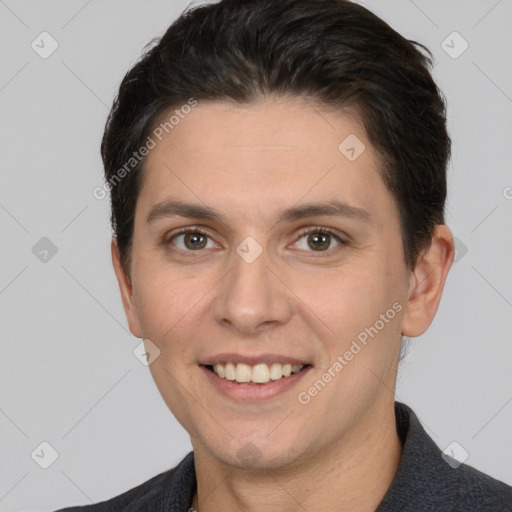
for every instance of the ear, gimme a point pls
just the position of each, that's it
(427, 282)
(125, 287)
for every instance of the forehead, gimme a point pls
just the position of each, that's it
(287, 127)
(263, 155)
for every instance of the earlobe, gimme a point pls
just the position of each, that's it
(125, 287)
(427, 283)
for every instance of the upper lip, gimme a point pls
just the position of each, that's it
(251, 359)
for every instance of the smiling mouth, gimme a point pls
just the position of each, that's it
(255, 374)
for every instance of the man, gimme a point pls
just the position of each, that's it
(278, 181)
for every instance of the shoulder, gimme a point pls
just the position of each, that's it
(427, 480)
(479, 491)
(151, 495)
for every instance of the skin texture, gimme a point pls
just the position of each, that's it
(250, 162)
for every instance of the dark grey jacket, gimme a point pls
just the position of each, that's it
(424, 482)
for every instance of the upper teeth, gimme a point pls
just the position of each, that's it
(259, 373)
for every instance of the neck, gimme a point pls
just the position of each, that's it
(355, 474)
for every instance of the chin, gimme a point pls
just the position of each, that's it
(256, 453)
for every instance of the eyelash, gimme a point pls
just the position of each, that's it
(322, 231)
(302, 233)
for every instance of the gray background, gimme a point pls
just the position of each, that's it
(68, 375)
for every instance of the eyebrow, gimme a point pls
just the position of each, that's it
(199, 212)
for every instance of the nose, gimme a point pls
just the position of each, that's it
(253, 296)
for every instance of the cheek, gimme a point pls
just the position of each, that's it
(167, 304)
(347, 301)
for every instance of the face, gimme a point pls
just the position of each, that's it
(292, 256)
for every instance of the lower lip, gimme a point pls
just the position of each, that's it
(243, 392)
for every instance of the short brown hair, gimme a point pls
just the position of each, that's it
(335, 52)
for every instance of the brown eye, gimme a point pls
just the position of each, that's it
(194, 241)
(319, 241)
(191, 240)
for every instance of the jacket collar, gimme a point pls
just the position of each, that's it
(424, 479)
